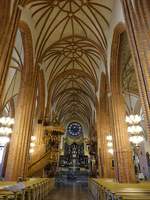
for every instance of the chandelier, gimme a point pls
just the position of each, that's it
(136, 139)
(5, 129)
(4, 140)
(133, 119)
(134, 129)
(7, 121)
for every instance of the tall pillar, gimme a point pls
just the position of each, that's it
(40, 148)
(137, 18)
(100, 168)
(124, 168)
(4, 17)
(40, 107)
(103, 130)
(20, 140)
(39, 118)
(39, 131)
(9, 25)
(18, 157)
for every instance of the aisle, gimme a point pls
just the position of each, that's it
(70, 192)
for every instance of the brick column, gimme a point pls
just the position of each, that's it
(20, 141)
(137, 17)
(19, 147)
(103, 129)
(40, 148)
(38, 128)
(100, 168)
(124, 168)
(9, 25)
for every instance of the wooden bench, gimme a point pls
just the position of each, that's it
(34, 189)
(109, 189)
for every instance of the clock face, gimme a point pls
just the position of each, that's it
(74, 129)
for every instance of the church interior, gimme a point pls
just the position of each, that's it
(74, 99)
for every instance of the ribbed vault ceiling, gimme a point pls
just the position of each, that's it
(71, 46)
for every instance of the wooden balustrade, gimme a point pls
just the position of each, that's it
(34, 189)
(107, 189)
(48, 157)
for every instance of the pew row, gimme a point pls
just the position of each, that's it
(107, 189)
(33, 189)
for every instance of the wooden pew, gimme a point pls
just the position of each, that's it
(109, 189)
(35, 189)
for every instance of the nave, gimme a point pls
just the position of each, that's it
(73, 191)
(74, 99)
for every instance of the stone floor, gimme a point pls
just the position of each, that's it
(70, 192)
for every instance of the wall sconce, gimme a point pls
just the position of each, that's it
(110, 144)
(32, 144)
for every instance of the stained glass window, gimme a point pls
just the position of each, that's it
(74, 129)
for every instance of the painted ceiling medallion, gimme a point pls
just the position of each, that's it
(73, 51)
(70, 6)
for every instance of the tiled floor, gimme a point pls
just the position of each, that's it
(70, 192)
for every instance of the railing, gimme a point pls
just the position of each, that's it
(34, 189)
(107, 189)
(39, 164)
